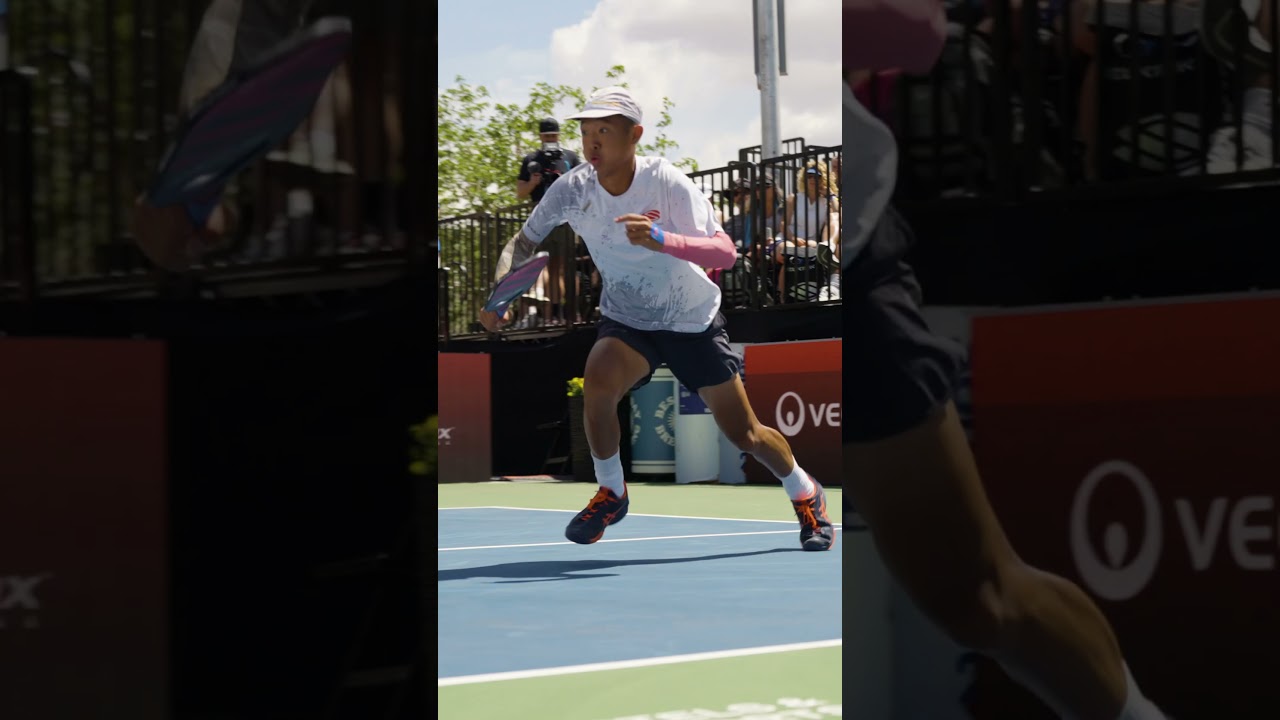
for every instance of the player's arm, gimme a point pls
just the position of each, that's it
(869, 146)
(517, 250)
(547, 217)
(230, 33)
(700, 239)
(230, 36)
(713, 252)
(710, 251)
(172, 237)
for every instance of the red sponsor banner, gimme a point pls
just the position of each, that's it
(796, 389)
(465, 426)
(1134, 450)
(83, 524)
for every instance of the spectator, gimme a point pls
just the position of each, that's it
(1225, 23)
(757, 213)
(808, 213)
(1107, 125)
(808, 222)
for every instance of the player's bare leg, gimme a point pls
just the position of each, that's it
(922, 498)
(613, 368)
(729, 405)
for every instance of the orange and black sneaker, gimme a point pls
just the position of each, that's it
(816, 531)
(604, 510)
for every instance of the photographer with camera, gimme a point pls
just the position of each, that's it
(543, 166)
(538, 170)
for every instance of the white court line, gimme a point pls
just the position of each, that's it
(630, 514)
(645, 662)
(678, 517)
(664, 537)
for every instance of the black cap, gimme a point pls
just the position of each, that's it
(548, 125)
(762, 180)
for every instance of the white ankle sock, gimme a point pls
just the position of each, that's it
(797, 484)
(1136, 706)
(609, 473)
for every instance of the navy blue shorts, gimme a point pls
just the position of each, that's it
(698, 360)
(896, 371)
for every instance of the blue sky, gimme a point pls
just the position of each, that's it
(697, 52)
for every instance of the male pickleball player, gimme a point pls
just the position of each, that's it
(906, 457)
(650, 231)
(232, 34)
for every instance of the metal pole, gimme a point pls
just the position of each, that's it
(767, 79)
(782, 38)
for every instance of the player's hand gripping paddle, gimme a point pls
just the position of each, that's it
(516, 283)
(250, 114)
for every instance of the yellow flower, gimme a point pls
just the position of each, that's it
(575, 387)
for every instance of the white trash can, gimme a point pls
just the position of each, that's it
(697, 445)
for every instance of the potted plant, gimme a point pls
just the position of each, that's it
(579, 450)
(423, 451)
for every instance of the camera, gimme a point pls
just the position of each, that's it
(549, 161)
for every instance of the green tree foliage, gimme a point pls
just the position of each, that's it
(481, 142)
(104, 91)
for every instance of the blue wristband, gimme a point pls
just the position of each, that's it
(656, 233)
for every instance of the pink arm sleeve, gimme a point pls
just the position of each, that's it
(893, 34)
(715, 252)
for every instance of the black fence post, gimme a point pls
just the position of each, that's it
(17, 186)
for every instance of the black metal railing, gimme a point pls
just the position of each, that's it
(788, 249)
(753, 154)
(106, 79)
(469, 249)
(785, 228)
(443, 332)
(17, 234)
(1106, 95)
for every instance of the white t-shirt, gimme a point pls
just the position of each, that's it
(643, 289)
(869, 170)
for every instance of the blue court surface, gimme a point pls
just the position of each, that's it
(514, 595)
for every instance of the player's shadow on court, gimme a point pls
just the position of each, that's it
(552, 570)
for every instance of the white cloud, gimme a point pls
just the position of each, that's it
(507, 73)
(699, 54)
